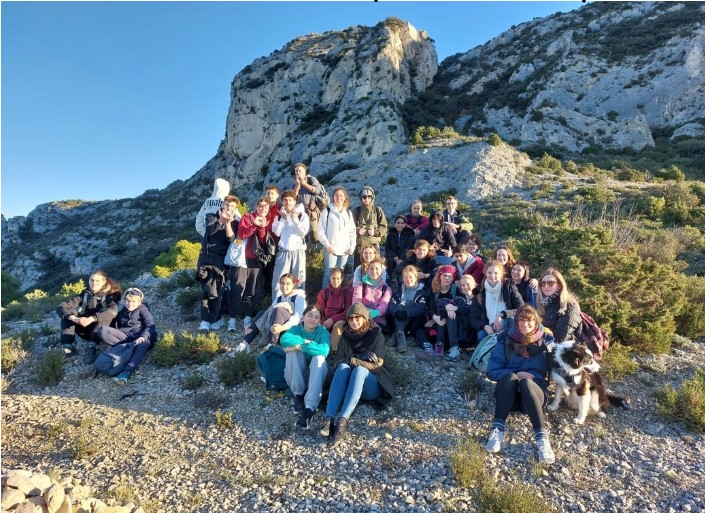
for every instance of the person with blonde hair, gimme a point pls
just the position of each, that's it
(558, 306)
(408, 308)
(368, 253)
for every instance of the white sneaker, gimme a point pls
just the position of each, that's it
(232, 324)
(454, 353)
(243, 347)
(217, 325)
(494, 442)
(204, 326)
(546, 454)
(247, 322)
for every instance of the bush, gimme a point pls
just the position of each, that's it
(72, 289)
(617, 364)
(401, 372)
(12, 353)
(467, 462)
(224, 420)
(234, 370)
(193, 381)
(494, 140)
(686, 405)
(691, 321)
(183, 255)
(35, 295)
(186, 348)
(187, 299)
(671, 173)
(10, 290)
(210, 400)
(50, 369)
(471, 383)
(518, 498)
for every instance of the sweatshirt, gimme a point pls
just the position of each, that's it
(221, 188)
(316, 343)
(292, 229)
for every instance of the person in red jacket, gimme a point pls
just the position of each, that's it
(333, 303)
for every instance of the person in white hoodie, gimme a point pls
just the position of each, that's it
(336, 231)
(221, 188)
(291, 226)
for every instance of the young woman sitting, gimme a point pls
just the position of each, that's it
(360, 372)
(518, 365)
(305, 371)
(460, 333)
(423, 258)
(558, 306)
(134, 323)
(527, 286)
(83, 314)
(443, 296)
(367, 254)
(400, 240)
(416, 220)
(469, 264)
(374, 293)
(333, 303)
(505, 256)
(408, 308)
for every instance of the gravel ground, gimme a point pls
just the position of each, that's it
(151, 436)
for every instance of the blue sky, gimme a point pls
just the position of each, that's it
(103, 100)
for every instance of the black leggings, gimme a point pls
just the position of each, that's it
(514, 394)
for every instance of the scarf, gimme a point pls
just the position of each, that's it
(547, 300)
(522, 342)
(493, 300)
(361, 342)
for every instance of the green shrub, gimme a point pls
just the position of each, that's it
(187, 299)
(224, 420)
(50, 369)
(403, 375)
(30, 311)
(467, 462)
(186, 348)
(617, 364)
(471, 383)
(35, 295)
(10, 290)
(72, 289)
(183, 255)
(686, 405)
(671, 173)
(211, 400)
(494, 140)
(519, 498)
(233, 370)
(691, 321)
(314, 271)
(193, 381)
(12, 353)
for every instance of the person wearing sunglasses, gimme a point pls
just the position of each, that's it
(370, 223)
(558, 306)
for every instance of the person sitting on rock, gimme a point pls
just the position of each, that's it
(441, 239)
(333, 303)
(458, 223)
(83, 314)
(416, 220)
(305, 371)
(423, 258)
(400, 239)
(134, 324)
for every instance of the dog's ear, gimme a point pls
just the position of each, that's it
(577, 361)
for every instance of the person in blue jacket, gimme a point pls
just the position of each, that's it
(305, 371)
(519, 365)
(134, 323)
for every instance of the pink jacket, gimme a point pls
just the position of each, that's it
(375, 298)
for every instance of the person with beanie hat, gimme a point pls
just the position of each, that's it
(370, 222)
(360, 372)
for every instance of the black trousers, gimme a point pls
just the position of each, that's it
(514, 394)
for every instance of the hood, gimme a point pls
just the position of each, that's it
(221, 188)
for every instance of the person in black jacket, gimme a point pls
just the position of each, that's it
(83, 314)
(221, 230)
(440, 237)
(558, 306)
(495, 302)
(399, 240)
(408, 308)
(134, 324)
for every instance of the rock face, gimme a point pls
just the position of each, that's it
(345, 102)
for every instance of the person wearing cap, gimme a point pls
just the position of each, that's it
(134, 323)
(440, 237)
(360, 372)
(370, 223)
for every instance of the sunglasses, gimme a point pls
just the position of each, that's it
(367, 197)
(548, 283)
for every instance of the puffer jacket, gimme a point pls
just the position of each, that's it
(102, 304)
(375, 297)
(564, 325)
(137, 323)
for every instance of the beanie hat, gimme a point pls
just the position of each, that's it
(437, 214)
(360, 310)
(450, 269)
(367, 191)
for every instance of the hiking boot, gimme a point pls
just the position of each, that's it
(428, 348)
(341, 428)
(454, 353)
(546, 454)
(69, 350)
(402, 346)
(122, 377)
(217, 325)
(90, 355)
(327, 427)
(299, 404)
(243, 347)
(393, 341)
(247, 322)
(494, 442)
(204, 326)
(305, 418)
(232, 324)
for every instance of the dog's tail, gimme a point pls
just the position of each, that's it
(619, 400)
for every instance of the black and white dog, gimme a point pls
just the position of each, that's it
(576, 376)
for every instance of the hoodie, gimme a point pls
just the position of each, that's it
(221, 188)
(292, 230)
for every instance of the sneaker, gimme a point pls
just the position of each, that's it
(217, 325)
(232, 324)
(122, 377)
(428, 348)
(494, 442)
(454, 353)
(243, 347)
(546, 454)
(327, 427)
(204, 326)
(402, 345)
(247, 322)
(298, 402)
(90, 355)
(305, 418)
(69, 350)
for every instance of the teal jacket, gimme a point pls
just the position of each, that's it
(312, 344)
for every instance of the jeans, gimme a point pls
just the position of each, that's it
(113, 337)
(350, 384)
(329, 262)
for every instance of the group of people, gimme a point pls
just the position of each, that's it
(432, 283)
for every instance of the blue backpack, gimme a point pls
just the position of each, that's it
(481, 356)
(270, 366)
(113, 360)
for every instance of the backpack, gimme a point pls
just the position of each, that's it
(481, 356)
(322, 200)
(270, 366)
(113, 360)
(594, 337)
